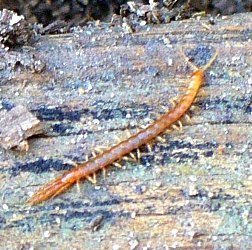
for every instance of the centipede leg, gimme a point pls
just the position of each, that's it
(78, 186)
(175, 127)
(70, 162)
(160, 139)
(180, 125)
(92, 179)
(133, 157)
(188, 118)
(104, 173)
(138, 154)
(148, 145)
(116, 164)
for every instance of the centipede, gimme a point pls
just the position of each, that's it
(112, 155)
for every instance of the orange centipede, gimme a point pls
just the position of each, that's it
(115, 153)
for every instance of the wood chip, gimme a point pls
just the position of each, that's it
(16, 126)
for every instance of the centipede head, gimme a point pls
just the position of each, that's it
(199, 73)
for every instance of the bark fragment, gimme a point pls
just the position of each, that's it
(16, 126)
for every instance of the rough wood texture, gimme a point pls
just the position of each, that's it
(191, 192)
(16, 126)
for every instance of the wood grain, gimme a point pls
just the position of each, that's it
(191, 192)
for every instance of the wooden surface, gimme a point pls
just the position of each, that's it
(191, 192)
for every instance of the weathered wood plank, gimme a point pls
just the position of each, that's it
(193, 191)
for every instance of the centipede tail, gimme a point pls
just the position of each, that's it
(117, 152)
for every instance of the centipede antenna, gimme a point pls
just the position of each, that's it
(210, 62)
(205, 67)
(194, 67)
